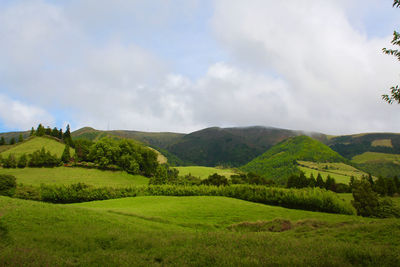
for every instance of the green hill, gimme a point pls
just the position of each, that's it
(36, 143)
(68, 175)
(378, 164)
(280, 161)
(189, 231)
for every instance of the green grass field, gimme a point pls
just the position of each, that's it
(36, 143)
(189, 231)
(204, 172)
(339, 171)
(375, 157)
(68, 175)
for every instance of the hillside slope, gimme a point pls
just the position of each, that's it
(280, 161)
(228, 146)
(36, 143)
(378, 164)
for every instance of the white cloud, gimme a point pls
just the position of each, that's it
(17, 115)
(333, 71)
(300, 65)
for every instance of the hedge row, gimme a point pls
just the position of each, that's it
(312, 199)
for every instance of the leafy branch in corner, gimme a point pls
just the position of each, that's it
(394, 90)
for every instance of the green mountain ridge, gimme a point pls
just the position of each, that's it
(279, 162)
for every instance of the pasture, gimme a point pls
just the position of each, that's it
(36, 143)
(70, 175)
(204, 172)
(339, 171)
(375, 157)
(202, 231)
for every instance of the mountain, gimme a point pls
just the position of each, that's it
(280, 161)
(227, 146)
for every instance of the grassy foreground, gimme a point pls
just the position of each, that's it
(69, 175)
(204, 172)
(147, 231)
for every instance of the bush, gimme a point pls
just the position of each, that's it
(216, 179)
(313, 199)
(7, 185)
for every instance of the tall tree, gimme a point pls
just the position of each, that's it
(20, 138)
(394, 90)
(66, 156)
(67, 136)
(12, 141)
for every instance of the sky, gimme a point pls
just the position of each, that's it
(184, 65)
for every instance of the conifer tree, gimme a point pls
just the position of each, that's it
(12, 141)
(66, 156)
(320, 183)
(20, 138)
(32, 132)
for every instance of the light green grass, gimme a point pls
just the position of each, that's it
(69, 175)
(148, 231)
(339, 171)
(36, 143)
(382, 142)
(204, 172)
(375, 157)
(204, 212)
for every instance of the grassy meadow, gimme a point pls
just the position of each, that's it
(201, 231)
(339, 171)
(36, 143)
(376, 157)
(69, 175)
(204, 172)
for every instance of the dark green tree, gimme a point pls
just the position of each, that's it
(55, 132)
(12, 141)
(22, 161)
(32, 132)
(380, 186)
(10, 161)
(311, 181)
(394, 90)
(330, 183)
(365, 199)
(8, 184)
(40, 131)
(66, 155)
(67, 136)
(20, 138)
(319, 182)
(2, 141)
(216, 179)
(48, 131)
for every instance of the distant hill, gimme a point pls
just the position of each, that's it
(236, 146)
(7, 136)
(351, 145)
(228, 146)
(280, 161)
(36, 143)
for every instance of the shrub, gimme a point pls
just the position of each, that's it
(7, 185)
(215, 179)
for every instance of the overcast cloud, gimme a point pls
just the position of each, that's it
(185, 65)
